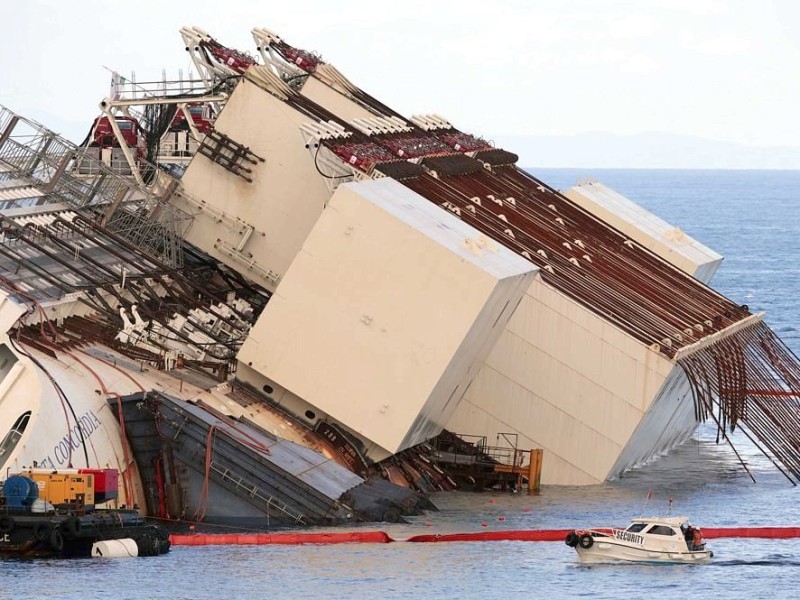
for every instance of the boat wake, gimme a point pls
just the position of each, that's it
(780, 560)
(777, 560)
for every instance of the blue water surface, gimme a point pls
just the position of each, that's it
(750, 217)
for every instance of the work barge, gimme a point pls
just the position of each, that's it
(264, 279)
(45, 513)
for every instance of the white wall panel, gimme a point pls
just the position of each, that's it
(386, 314)
(566, 381)
(283, 201)
(652, 232)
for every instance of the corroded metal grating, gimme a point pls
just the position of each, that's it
(584, 258)
(70, 175)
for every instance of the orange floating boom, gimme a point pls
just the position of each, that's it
(292, 539)
(379, 537)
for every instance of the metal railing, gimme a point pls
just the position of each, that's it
(475, 450)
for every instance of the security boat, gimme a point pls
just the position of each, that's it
(652, 539)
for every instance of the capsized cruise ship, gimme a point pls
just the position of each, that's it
(253, 291)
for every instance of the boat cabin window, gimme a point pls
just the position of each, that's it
(636, 527)
(661, 530)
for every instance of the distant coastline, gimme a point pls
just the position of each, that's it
(644, 151)
(583, 150)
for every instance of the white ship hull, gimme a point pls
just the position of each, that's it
(69, 424)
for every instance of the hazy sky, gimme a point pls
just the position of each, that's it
(725, 71)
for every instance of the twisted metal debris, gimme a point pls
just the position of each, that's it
(750, 379)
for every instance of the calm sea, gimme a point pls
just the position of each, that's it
(753, 219)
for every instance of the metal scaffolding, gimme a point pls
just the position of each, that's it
(32, 156)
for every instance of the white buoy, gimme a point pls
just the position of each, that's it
(41, 506)
(115, 548)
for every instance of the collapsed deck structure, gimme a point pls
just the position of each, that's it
(372, 279)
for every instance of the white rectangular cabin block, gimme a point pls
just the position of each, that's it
(566, 381)
(283, 201)
(645, 228)
(386, 314)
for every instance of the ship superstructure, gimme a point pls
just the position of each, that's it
(300, 261)
(106, 308)
(586, 368)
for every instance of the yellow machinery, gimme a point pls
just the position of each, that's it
(59, 487)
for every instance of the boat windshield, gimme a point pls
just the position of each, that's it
(662, 530)
(636, 527)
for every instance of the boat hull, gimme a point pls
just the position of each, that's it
(610, 550)
(600, 548)
(46, 535)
